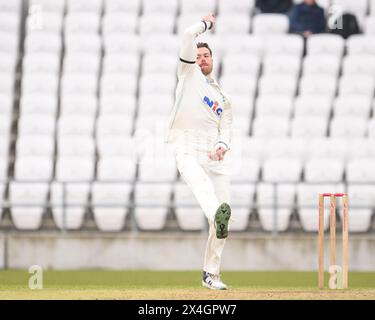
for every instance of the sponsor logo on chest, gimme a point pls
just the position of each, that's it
(213, 105)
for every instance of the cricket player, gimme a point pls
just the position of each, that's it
(200, 131)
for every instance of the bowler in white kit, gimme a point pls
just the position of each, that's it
(200, 128)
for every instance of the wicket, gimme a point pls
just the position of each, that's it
(332, 226)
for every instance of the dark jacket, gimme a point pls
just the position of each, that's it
(307, 18)
(274, 6)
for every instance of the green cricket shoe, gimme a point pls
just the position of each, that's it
(222, 220)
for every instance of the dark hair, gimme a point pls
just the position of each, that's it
(204, 45)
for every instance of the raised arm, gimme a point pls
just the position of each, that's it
(188, 51)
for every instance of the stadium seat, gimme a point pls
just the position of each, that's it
(188, 213)
(78, 105)
(369, 25)
(360, 170)
(361, 207)
(336, 148)
(159, 63)
(33, 168)
(275, 205)
(197, 6)
(312, 105)
(270, 24)
(69, 202)
(74, 83)
(352, 105)
(360, 44)
(40, 83)
(129, 6)
(36, 124)
(240, 63)
(10, 6)
(75, 168)
(241, 125)
(114, 125)
(286, 148)
(321, 64)
(78, 125)
(116, 168)
(117, 104)
(243, 44)
(27, 202)
(278, 84)
(160, 43)
(158, 169)
(43, 43)
(7, 63)
(239, 83)
(94, 6)
(2, 200)
(5, 125)
(149, 23)
(160, 104)
(4, 146)
(308, 200)
(81, 63)
(348, 126)
(150, 126)
(283, 64)
(41, 63)
(151, 205)
(56, 6)
(361, 64)
(3, 169)
(233, 23)
(242, 201)
(83, 43)
(274, 105)
(331, 44)
(6, 104)
(318, 85)
(358, 8)
(10, 22)
(361, 148)
(357, 84)
(8, 43)
(127, 63)
(157, 83)
(324, 170)
(117, 83)
(160, 6)
(35, 145)
(285, 44)
(110, 203)
(245, 169)
(371, 128)
(119, 22)
(270, 126)
(74, 145)
(282, 170)
(81, 22)
(309, 127)
(244, 104)
(240, 6)
(7, 83)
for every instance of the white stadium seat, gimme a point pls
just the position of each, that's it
(328, 148)
(242, 201)
(3, 169)
(157, 83)
(308, 200)
(43, 43)
(358, 8)
(127, 63)
(119, 22)
(352, 105)
(114, 125)
(5, 125)
(128, 6)
(321, 64)
(44, 22)
(83, 43)
(348, 126)
(81, 146)
(244, 104)
(233, 23)
(117, 83)
(160, 6)
(309, 127)
(74, 168)
(361, 64)
(33, 168)
(7, 62)
(270, 126)
(282, 64)
(361, 148)
(243, 44)
(82, 63)
(8, 43)
(156, 23)
(69, 203)
(35, 145)
(74, 83)
(324, 170)
(110, 201)
(155, 104)
(41, 63)
(286, 148)
(274, 105)
(323, 85)
(236, 63)
(360, 170)
(6, 104)
(270, 24)
(278, 84)
(157, 169)
(188, 212)
(275, 210)
(36, 124)
(239, 83)
(40, 83)
(312, 105)
(160, 43)
(78, 125)
(325, 44)
(121, 104)
(282, 170)
(39, 103)
(245, 169)
(361, 44)
(10, 6)
(4, 146)
(151, 201)
(371, 128)
(27, 201)
(78, 105)
(240, 6)
(56, 6)
(197, 6)
(284, 44)
(2, 200)
(116, 168)
(10, 22)
(159, 63)
(7, 83)
(369, 25)
(117, 146)
(94, 6)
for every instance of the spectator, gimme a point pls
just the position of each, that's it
(274, 6)
(307, 18)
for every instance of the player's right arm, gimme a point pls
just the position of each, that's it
(188, 51)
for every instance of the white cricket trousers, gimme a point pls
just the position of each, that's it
(211, 188)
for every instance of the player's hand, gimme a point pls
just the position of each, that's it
(210, 18)
(218, 155)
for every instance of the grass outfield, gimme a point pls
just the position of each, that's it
(100, 284)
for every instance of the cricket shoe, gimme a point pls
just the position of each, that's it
(222, 217)
(213, 282)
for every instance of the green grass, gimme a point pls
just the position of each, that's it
(101, 284)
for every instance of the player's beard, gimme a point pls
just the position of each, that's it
(206, 70)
